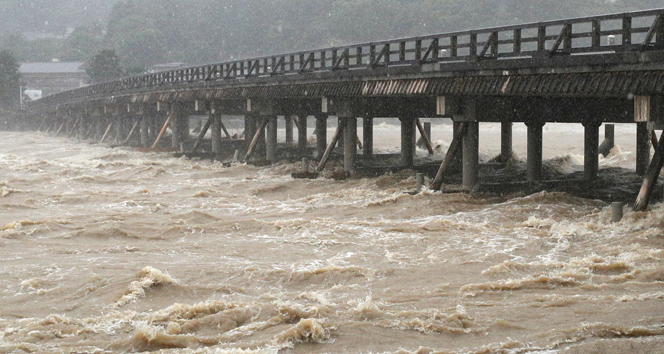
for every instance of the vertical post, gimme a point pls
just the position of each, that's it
(367, 138)
(321, 135)
(427, 130)
(642, 148)
(609, 140)
(471, 156)
(505, 141)
(350, 144)
(215, 125)
(99, 128)
(534, 163)
(407, 141)
(145, 138)
(591, 150)
(289, 129)
(302, 135)
(271, 139)
(176, 126)
(249, 127)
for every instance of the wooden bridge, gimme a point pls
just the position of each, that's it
(594, 70)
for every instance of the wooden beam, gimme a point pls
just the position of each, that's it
(106, 133)
(424, 136)
(223, 127)
(652, 174)
(162, 131)
(131, 132)
(206, 127)
(328, 151)
(257, 136)
(455, 147)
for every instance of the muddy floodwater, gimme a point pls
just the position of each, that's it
(114, 250)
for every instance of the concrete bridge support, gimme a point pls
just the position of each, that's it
(591, 150)
(505, 141)
(407, 141)
(321, 135)
(534, 163)
(302, 135)
(471, 156)
(215, 131)
(367, 138)
(642, 148)
(145, 133)
(350, 144)
(288, 118)
(271, 138)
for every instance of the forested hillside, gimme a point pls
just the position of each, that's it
(144, 32)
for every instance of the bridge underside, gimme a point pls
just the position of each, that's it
(590, 71)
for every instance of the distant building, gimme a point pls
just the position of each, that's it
(54, 77)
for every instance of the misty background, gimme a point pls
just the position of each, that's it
(148, 32)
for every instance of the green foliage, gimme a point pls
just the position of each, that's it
(9, 80)
(104, 66)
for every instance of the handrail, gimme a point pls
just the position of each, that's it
(632, 31)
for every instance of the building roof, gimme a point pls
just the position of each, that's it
(52, 68)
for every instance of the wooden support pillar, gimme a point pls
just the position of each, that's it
(302, 135)
(505, 141)
(145, 134)
(215, 125)
(367, 138)
(289, 129)
(652, 174)
(176, 126)
(271, 139)
(249, 127)
(534, 163)
(591, 150)
(642, 148)
(427, 130)
(350, 144)
(321, 135)
(609, 140)
(99, 128)
(471, 156)
(407, 141)
(119, 127)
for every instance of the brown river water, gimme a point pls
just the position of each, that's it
(114, 250)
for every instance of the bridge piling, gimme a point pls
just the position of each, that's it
(505, 141)
(271, 139)
(350, 144)
(642, 148)
(534, 158)
(321, 134)
(215, 126)
(471, 158)
(288, 118)
(302, 134)
(367, 138)
(591, 150)
(407, 141)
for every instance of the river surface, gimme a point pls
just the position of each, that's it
(114, 250)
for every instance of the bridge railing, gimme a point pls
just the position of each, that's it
(634, 31)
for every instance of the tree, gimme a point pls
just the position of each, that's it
(9, 80)
(104, 66)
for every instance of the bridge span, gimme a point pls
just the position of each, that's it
(592, 71)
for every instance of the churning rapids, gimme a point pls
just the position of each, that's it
(115, 250)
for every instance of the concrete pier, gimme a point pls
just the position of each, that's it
(642, 148)
(505, 141)
(471, 158)
(534, 163)
(407, 141)
(302, 135)
(350, 144)
(367, 138)
(271, 139)
(321, 135)
(215, 127)
(591, 150)
(289, 129)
